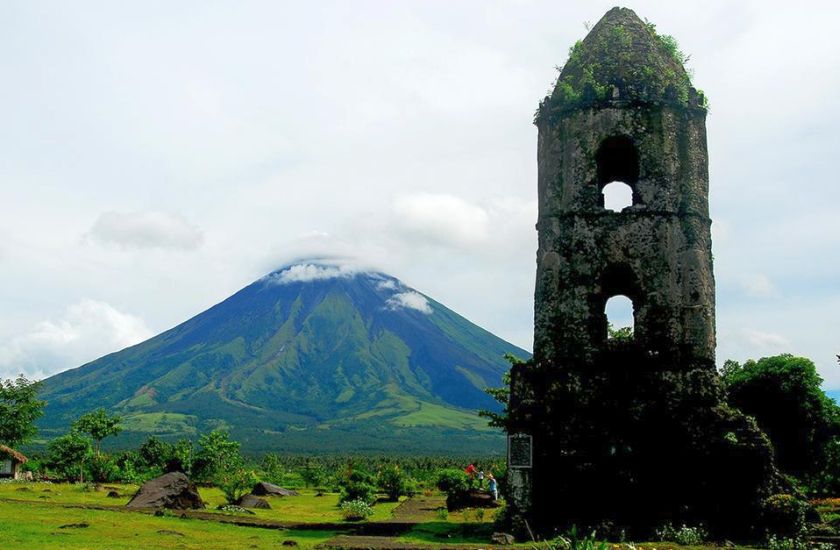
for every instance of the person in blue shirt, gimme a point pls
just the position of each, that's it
(492, 486)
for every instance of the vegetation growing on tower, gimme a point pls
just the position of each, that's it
(626, 60)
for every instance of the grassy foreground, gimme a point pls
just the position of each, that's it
(37, 525)
(46, 515)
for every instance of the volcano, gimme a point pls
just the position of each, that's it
(313, 357)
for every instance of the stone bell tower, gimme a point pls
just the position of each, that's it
(629, 432)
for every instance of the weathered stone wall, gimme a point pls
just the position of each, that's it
(657, 252)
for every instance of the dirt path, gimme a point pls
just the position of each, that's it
(418, 509)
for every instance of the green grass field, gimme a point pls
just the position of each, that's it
(47, 515)
(43, 525)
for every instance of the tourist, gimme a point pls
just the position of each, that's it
(481, 479)
(470, 471)
(493, 487)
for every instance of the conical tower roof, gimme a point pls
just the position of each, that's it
(623, 58)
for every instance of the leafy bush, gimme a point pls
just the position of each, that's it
(456, 484)
(236, 483)
(358, 485)
(66, 456)
(313, 474)
(356, 510)
(683, 535)
(273, 469)
(394, 482)
(784, 515)
(784, 394)
(104, 469)
(218, 455)
(442, 513)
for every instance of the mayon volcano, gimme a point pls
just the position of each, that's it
(313, 357)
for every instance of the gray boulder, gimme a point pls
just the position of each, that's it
(253, 501)
(265, 488)
(173, 490)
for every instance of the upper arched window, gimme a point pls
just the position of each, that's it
(618, 172)
(620, 313)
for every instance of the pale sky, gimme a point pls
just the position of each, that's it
(155, 157)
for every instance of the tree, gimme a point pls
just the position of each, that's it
(274, 471)
(98, 425)
(784, 396)
(217, 454)
(19, 409)
(502, 395)
(67, 455)
(235, 483)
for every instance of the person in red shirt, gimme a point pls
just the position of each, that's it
(471, 471)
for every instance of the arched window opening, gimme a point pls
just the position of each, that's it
(617, 196)
(618, 172)
(620, 314)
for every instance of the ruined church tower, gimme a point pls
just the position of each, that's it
(631, 431)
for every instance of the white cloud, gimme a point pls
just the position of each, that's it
(305, 272)
(441, 219)
(388, 284)
(87, 330)
(409, 300)
(150, 229)
(765, 342)
(758, 286)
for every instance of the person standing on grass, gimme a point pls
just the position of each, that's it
(493, 487)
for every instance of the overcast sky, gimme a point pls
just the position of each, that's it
(155, 157)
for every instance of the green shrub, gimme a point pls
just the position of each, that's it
(393, 482)
(313, 474)
(103, 469)
(236, 483)
(784, 516)
(273, 469)
(356, 510)
(358, 485)
(442, 513)
(456, 484)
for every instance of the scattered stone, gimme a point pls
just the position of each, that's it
(265, 488)
(47, 491)
(289, 543)
(82, 525)
(502, 539)
(173, 490)
(168, 532)
(113, 494)
(253, 501)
